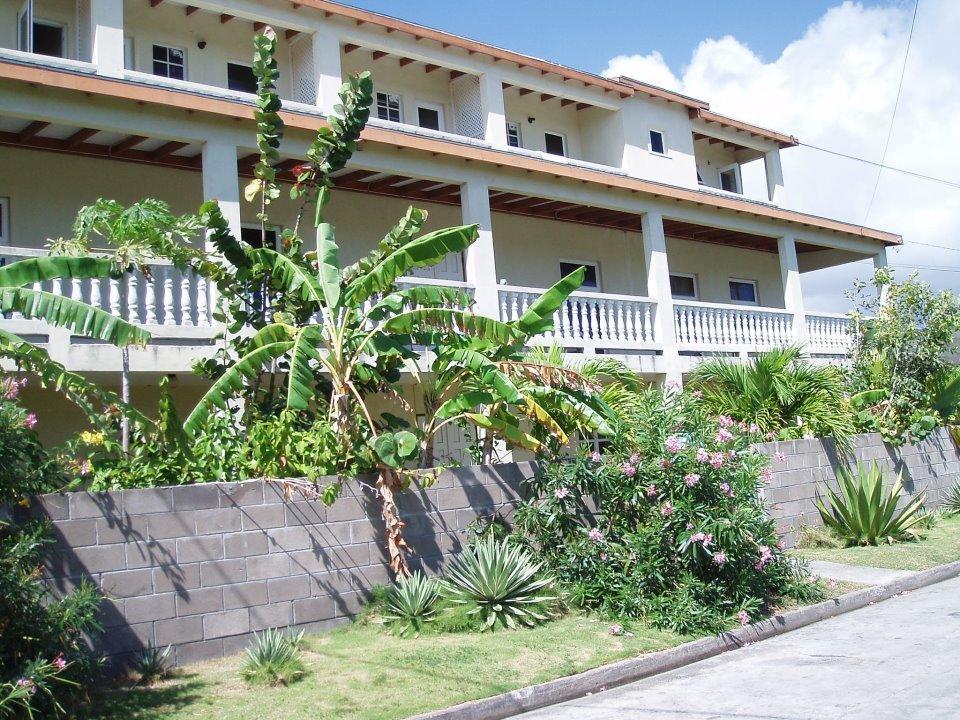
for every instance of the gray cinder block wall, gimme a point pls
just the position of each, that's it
(932, 466)
(200, 567)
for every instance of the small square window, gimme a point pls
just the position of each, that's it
(429, 117)
(48, 39)
(513, 134)
(240, 77)
(254, 236)
(554, 143)
(169, 62)
(657, 143)
(730, 179)
(388, 107)
(683, 286)
(591, 278)
(743, 292)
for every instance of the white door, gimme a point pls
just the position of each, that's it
(450, 269)
(452, 443)
(25, 27)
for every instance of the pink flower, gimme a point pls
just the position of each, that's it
(771, 436)
(766, 475)
(595, 456)
(616, 629)
(723, 436)
(634, 459)
(716, 460)
(9, 388)
(702, 455)
(754, 428)
(664, 464)
(698, 537)
(673, 444)
(720, 558)
(628, 470)
(666, 509)
(691, 479)
(674, 385)
(744, 617)
(731, 454)
(603, 556)
(726, 490)
(60, 662)
(698, 394)
(781, 545)
(766, 557)
(779, 456)
(725, 421)
(28, 684)
(595, 535)
(561, 493)
(831, 583)
(652, 491)
(30, 422)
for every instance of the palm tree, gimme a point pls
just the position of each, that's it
(780, 392)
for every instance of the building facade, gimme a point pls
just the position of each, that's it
(128, 99)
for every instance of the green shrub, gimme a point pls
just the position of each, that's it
(152, 665)
(25, 467)
(273, 659)
(411, 603)
(501, 582)
(817, 536)
(667, 524)
(862, 514)
(951, 502)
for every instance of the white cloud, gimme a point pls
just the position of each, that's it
(835, 87)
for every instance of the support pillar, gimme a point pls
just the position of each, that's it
(658, 289)
(221, 182)
(491, 105)
(106, 36)
(879, 262)
(776, 190)
(792, 292)
(480, 265)
(328, 74)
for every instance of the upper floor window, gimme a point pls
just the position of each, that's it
(4, 221)
(683, 286)
(169, 62)
(513, 134)
(730, 179)
(658, 143)
(591, 278)
(743, 292)
(388, 107)
(555, 143)
(40, 36)
(430, 116)
(240, 77)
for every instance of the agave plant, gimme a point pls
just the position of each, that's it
(272, 659)
(502, 583)
(951, 500)
(862, 514)
(411, 603)
(152, 665)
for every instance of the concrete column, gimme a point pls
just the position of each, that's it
(328, 75)
(880, 261)
(792, 293)
(221, 182)
(658, 289)
(480, 266)
(776, 190)
(106, 36)
(491, 105)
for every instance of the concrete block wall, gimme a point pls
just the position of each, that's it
(201, 567)
(932, 466)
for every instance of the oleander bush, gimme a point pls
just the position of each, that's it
(667, 523)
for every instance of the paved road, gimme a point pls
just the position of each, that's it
(896, 660)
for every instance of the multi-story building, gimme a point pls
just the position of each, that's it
(129, 99)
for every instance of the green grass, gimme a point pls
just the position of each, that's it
(361, 673)
(940, 545)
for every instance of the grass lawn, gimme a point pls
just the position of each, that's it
(361, 673)
(941, 545)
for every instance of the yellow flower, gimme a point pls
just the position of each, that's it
(24, 502)
(92, 438)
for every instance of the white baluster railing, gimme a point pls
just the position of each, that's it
(829, 333)
(588, 320)
(714, 326)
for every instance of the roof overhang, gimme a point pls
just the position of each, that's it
(708, 116)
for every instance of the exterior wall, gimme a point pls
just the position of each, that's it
(61, 12)
(932, 466)
(548, 117)
(642, 115)
(714, 265)
(200, 567)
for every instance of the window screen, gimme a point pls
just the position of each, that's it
(554, 144)
(744, 291)
(683, 286)
(428, 118)
(241, 78)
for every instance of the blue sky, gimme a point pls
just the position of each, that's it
(587, 35)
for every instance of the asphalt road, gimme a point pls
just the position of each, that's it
(895, 660)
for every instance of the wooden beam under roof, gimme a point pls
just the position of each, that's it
(349, 48)
(80, 136)
(377, 54)
(225, 18)
(546, 96)
(454, 74)
(128, 143)
(387, 182)
(291, 34)
(167, 149)
(524, 91)
(566, 101)
(32, 129)
(404, 61)
(155, 3)
(430, 67)
(444, 192)
(190, 10)
(354, 175)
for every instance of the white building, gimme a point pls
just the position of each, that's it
(129, 99)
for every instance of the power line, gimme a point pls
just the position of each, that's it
(912, 173)
(933, 245)
(893, 116)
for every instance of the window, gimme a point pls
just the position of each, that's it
(658, 144)
(4, 221)
(683, 286)
(554, 143)
(591, 279)
(240, 77)
(388, 107)
(169, 62)
(251, 235)
(743, 292)
(24, 24)
(430, 116)
(730, 179)
(48, 39)
(513, 134)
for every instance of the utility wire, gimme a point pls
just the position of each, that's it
(893, 116)
(912, 173)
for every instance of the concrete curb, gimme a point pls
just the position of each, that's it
(625, 671)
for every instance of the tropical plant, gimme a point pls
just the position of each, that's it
(411, 603)
(273, 658)
(26, 468)
(152, 665)
(951, 500)
(779, 392)
(501, 583)
(900, 379)
(863, 514)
